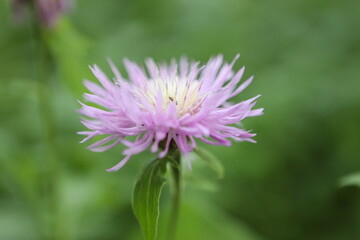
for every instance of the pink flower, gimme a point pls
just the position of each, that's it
(47, 11)
(50, 10)
(169, 104)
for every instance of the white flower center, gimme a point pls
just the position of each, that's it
(185, 94)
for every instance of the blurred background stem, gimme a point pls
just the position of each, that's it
(50, 161)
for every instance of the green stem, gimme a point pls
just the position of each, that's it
(175, 187)
(50, 163)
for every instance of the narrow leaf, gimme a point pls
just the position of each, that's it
(146, 197)
(211, 160)
(350, 180)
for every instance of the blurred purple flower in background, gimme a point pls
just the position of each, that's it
(50, 10)
(169, 104)
(47, 11)
(18, 9)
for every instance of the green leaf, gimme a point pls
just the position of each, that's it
(146, 197)
(350, 180)
(211, 160)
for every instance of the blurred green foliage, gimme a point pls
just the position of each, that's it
(305, 56)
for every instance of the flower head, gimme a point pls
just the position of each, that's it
(169, 104)
(50, 10)
(47, 11)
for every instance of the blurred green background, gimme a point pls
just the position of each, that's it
(300, 181)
